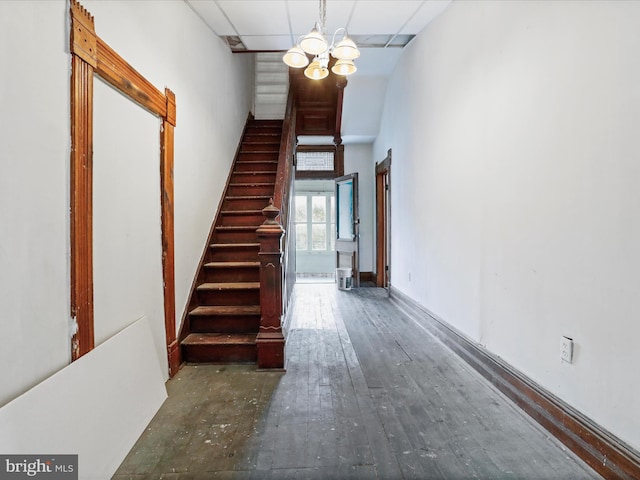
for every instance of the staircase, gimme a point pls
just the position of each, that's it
(224, 315)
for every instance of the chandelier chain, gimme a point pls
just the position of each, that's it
(323, 15)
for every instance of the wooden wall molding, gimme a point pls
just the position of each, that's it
(84, 43)
(90, 56)
(123, 77)
(601, 450)
(81, 207)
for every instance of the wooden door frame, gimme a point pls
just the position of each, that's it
(383, 222)
(90, 56)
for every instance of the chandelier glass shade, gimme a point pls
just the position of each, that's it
(318, 69)
(344, 67)
(296, 57)
(314, 43)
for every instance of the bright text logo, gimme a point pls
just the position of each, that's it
(49, 467)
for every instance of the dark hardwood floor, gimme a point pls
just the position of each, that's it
(367, 395)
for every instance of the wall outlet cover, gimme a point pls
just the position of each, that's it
(566, 349)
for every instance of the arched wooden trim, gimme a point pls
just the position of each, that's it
(91, 55)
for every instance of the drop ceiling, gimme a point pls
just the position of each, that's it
(273, 25)
(381, 28)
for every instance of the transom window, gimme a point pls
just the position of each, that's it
(315, 222)
(319, 162)
(315, 161)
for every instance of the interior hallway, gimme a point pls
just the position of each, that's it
(367, 394)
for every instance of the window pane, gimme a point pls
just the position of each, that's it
(319, 237)
(301, 237)
(319, 212)
(315, 161)
(301, 208)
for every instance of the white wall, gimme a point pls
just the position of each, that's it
(167, 43)
(515, 189)
(363, 102)
(34, 193)
(127, 246)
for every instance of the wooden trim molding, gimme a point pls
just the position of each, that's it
(601, 450)
(367, 277)
(83, 61)
(91, 55)
(167, 225)
(383, 221)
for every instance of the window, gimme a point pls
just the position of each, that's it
(319, 162)
(315, 222)
(315, 161)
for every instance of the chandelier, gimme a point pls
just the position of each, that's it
(315, 43)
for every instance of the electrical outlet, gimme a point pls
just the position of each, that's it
(566, 349)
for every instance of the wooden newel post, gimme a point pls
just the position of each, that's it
(270, 340)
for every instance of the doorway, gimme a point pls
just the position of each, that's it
(315, 224)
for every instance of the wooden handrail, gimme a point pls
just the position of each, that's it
(285, 159)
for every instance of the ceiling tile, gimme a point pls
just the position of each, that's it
(382, 16)
(267, 42)
(257, 17)
(428, 12)
(212, 16)
(305, 13)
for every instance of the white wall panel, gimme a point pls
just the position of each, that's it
(514, 189)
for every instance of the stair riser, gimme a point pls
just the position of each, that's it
(245, 156)
(231, 275)
(256, 165)
(260, 147)
(273, 138)
(246, 204)
(229, 297)
(220, 353)
(224, 323)
(235, 190)
(232, 255)
(230, 220)
(243, 236)
(252, 130)
(254, 177)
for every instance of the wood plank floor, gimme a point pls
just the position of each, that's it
(367, 395)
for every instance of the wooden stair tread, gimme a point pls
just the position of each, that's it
(235, 245)
(255, 172)
(256, 184)
(220, 339)
(255, 161)
(237, 227)
(231, 264)
(241, 212)
(248, 197)
(226, 310)
(230, 286)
